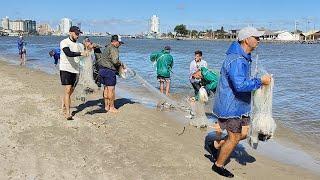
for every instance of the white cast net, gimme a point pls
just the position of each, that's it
(262, 125)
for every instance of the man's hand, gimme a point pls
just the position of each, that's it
(85, 53)
(266, 79)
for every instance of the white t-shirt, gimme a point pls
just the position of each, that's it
(195, 66)
(70, 64)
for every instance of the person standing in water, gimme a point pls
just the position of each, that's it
(164, 62)
(56, 55)
(69, 66)
(195, 66)
(22, 50)
(232, 103)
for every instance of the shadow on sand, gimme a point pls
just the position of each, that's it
(239, 154)
(118, 103)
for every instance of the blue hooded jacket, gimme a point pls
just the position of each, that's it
(56, 55)
(233, 96)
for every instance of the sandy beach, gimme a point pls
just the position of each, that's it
(137, 143)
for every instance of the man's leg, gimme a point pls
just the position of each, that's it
(218, 143)
(68, 90)
(196, 86)
(106, 98)
(21, 58)
(111, 97)
(24, 58)
(227, 148)
(167, 87)
(161, 85)
(225, 151)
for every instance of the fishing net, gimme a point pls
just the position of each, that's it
(86, 83)
(199, 118)
(203, 95)
(262, 125)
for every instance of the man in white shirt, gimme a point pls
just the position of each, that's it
(69, 66)
(195, 66)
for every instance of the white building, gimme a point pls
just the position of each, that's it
(65, 25)
(17, 25)
(5, 23)
(155, 24)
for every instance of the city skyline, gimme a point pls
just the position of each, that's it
(127, 17)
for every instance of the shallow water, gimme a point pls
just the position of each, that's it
(295, 68)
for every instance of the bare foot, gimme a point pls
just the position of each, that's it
(113, 110)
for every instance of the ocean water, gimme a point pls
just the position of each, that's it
(295, 68)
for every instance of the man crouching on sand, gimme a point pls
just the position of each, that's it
(69, 67)
(109, 64)
(233, 96)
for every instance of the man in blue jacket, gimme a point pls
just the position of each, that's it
(233, 96)
(56, 55)
(22, 50)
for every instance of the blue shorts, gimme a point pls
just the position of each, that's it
(108, 76)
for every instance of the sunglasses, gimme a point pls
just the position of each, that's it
(257, 38)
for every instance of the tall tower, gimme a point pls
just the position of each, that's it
(65, 25)
(5, 23)
(154, 24)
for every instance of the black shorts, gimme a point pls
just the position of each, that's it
(22, 52)
(163, 79)
(234, 124)
(68, 78)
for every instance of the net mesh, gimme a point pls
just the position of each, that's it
(86, 84)
(262, 125)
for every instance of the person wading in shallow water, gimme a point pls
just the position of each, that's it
(233, 96)
(56, 55)
(164, 62)
(22, 50)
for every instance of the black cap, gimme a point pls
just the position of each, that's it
(116, 38)
(167, 48)
(75, 29)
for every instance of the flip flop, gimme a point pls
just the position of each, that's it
(70, 118)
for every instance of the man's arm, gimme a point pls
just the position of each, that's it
(70, 53)
(238, 77)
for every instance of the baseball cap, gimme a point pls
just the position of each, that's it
(167, 48)
(117, 38)
(75, 29)
(246, 32)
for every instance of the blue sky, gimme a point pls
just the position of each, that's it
(130, 17)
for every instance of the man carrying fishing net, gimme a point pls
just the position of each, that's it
(233, 96)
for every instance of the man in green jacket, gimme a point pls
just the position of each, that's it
(209, 79)
(164, 62)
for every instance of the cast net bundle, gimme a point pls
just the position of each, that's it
(262, 125)
(86, 84)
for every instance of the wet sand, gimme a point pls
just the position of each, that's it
(137, 143)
